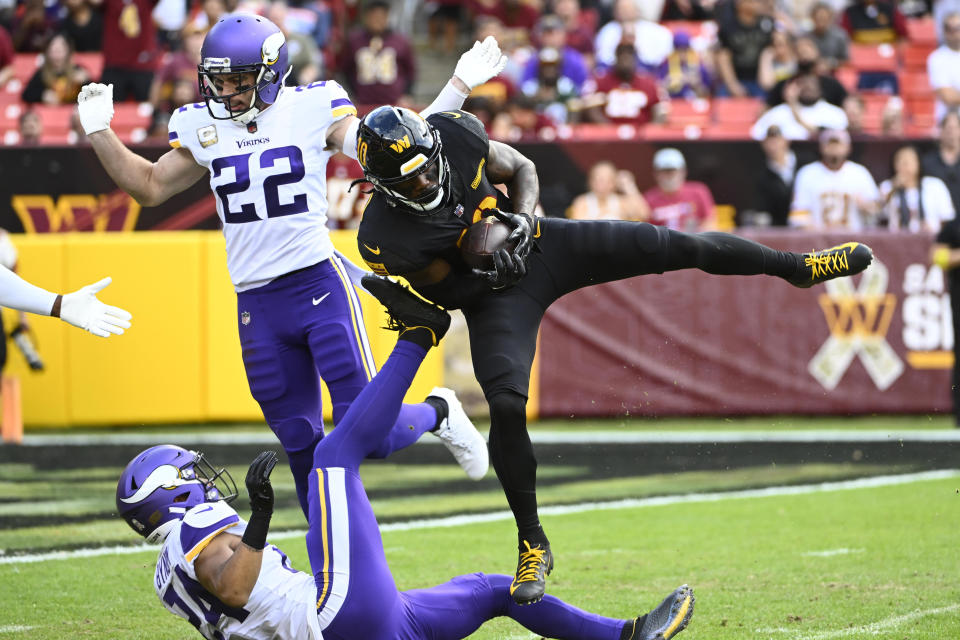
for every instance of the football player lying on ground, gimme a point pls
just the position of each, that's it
(432, 179)
(265, 148)
(81, 308)
(219, 573)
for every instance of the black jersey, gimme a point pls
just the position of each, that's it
(395, 240)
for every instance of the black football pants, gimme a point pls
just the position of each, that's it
(573, 254)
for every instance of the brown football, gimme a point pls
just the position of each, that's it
(482, 240)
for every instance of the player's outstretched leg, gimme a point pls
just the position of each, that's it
(846, 259)
(457, 608)
(581, 253)
(407, 311)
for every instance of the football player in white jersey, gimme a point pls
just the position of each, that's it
(265, 148)
(218, 572)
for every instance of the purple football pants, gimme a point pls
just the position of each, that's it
(304, 326)
(356, 593)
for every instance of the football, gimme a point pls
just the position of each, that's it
(482, 240)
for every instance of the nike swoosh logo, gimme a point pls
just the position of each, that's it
(317, 301)
(375, 252)
(209, 508)
(453, 114)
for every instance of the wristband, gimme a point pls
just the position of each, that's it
(255, 536)
(55, 312)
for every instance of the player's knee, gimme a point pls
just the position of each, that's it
(297, 434)
(506, 406)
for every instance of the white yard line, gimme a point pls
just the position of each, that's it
(15, 628)
(831, 552)
(871, 629)
(495, 516)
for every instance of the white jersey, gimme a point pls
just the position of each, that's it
(269, 178)
(826, 199)
(282, 606)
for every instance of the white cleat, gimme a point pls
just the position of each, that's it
(460, 437)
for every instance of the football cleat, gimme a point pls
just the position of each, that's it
(846, 259)
(669, 618)
(533, 567)
(406, 309)
(460, 437)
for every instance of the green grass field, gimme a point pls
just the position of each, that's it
(877, 563)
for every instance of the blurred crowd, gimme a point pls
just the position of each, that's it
(776, 71)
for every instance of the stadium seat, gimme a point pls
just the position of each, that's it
(24, 66)
(594, 132)
(920, 110)
(871, 57)
(56, 120)
(689, 112)
(922, 31)
(915, 56)
(847, 76)
(737, 110)
(91, 61)
(914, 83)
(672, 132)
(728, 131)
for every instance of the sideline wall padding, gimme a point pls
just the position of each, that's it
(181, 360)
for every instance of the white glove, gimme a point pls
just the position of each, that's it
(95, 104)
(482, 62)
(82, 309)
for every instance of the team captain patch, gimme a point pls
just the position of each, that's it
(207, 135)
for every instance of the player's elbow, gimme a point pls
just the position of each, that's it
(235, 596)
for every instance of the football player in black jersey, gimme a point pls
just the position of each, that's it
(432, 179)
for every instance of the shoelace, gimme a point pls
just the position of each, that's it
(826, 263)
(530, 560)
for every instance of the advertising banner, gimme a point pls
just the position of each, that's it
(687, 343)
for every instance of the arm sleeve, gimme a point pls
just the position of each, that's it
(349, 148)
(340, 104)
(17, 293)
(449, 99)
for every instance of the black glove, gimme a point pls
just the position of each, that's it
(258, 482)
(261, 500)
(522, 232)
(508, 270)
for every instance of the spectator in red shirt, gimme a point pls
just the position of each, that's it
(178, 68)
(6, 57)
(675, 202)
(377, 62)
(874, 22)
(516, 15)
(130, 52)
(623, 95)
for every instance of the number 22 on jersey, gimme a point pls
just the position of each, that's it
(241, 165)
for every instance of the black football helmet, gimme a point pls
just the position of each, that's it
(402, 158)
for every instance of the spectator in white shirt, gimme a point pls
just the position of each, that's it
(833, 193)
(804, 111)
(943, 67)
(653, 41)
(912, 201)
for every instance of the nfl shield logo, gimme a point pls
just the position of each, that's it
(245, 318)
(458, 211)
